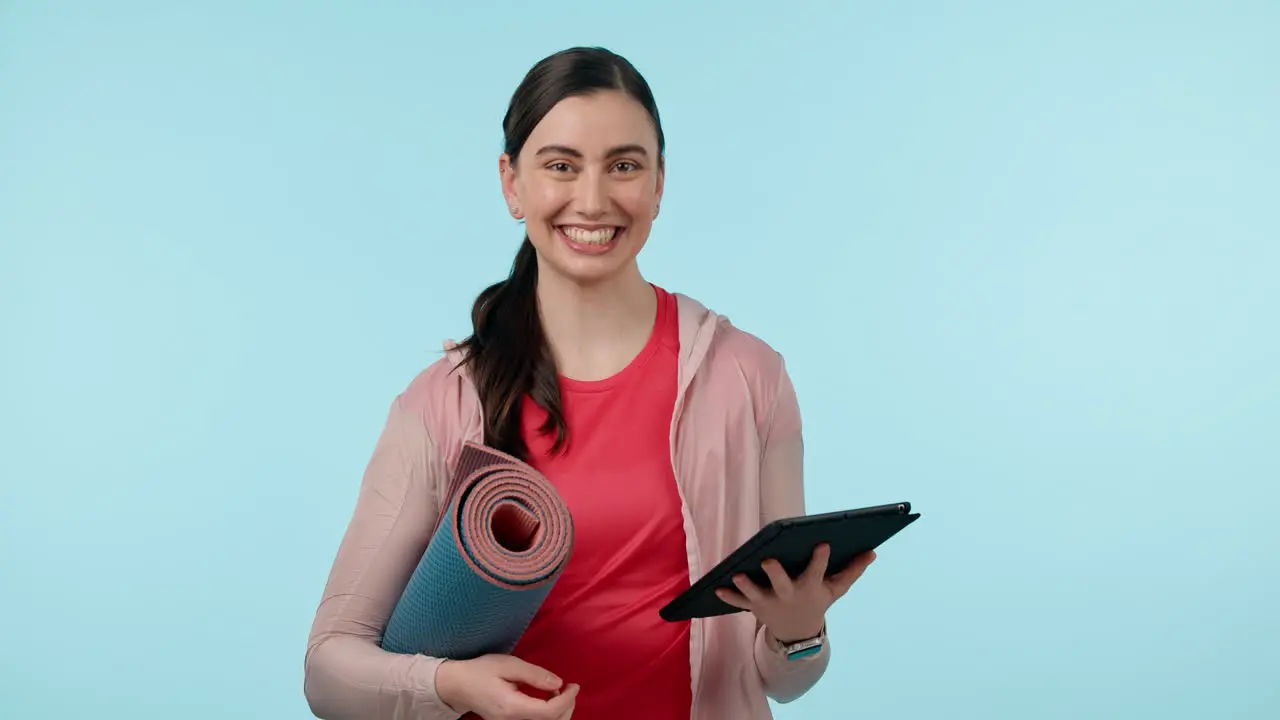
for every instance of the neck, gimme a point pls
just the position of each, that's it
(595, 330)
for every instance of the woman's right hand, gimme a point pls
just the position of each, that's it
(489, 686)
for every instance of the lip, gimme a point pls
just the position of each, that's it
(584, 249)
(590, 226)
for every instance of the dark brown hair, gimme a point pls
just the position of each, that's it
(507, 352)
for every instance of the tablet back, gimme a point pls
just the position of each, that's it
(791, 541)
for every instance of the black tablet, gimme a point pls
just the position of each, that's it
(791, 541)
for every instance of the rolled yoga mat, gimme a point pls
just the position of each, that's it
(497, 550)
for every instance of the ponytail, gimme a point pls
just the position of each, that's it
(509, 358)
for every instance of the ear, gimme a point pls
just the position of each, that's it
(661, 183)
(507, 177)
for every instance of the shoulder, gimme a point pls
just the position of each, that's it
(747, 351)
(735, 367)
(432, 385)
(721, 347)
(443, 399)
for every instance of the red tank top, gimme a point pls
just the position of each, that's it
(599, 627)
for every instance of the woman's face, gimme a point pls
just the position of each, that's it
(587, 183)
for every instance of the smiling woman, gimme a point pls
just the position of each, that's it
(583, 167)
(671, 435)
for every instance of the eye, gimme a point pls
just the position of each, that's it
(626, 166)
(560, 167)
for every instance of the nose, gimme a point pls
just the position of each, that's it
(593, 197)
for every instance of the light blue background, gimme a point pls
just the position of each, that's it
(1023, 259)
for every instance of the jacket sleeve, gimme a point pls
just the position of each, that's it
(782, 495)
(347, 675)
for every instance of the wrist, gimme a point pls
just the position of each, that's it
(448, 686)
(796, 647)
(798, 633)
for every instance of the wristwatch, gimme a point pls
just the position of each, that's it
(803, 648)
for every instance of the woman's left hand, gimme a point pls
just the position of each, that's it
(795, 610)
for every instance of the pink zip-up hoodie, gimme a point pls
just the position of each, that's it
(737, 452)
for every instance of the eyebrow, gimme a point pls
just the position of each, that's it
(613, 152)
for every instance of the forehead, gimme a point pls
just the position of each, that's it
(593, 124)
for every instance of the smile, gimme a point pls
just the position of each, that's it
(598, 236)
(590, 241)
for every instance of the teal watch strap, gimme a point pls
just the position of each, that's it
(808, 647)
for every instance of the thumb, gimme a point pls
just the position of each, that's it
(517, 670)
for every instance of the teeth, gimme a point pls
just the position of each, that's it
(589, 237)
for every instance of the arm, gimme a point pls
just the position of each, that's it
(348, 676)
(782, 495)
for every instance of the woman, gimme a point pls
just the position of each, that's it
(671, 435)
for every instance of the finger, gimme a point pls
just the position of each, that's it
(517, 704)
(778, 578)
(752, 592)
(841, 582)
(735, 599)
(517, 670)
(527, 707)
(817, 570)
(561, 706)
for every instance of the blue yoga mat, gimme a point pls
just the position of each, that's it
(497, 550)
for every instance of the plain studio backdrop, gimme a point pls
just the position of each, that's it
(1023, 263)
